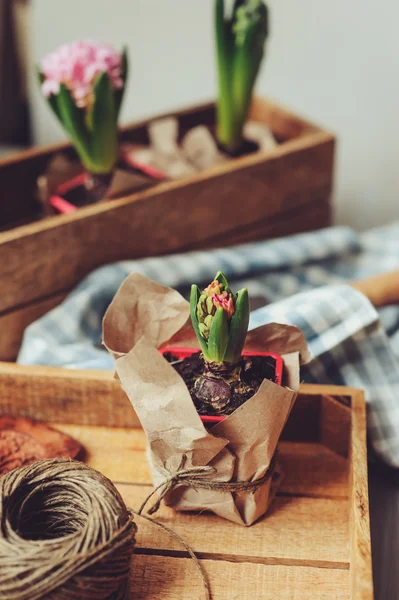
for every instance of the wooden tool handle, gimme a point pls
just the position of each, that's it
(380, 289)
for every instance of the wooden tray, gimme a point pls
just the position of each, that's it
(265, 194)
(314, 544)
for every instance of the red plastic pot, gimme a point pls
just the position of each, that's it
(63, 206)
(181, 352)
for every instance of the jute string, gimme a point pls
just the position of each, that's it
(65, 532)
(197, 477)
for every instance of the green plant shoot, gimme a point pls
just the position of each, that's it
(220, 320)
(240, 43)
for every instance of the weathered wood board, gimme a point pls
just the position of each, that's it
(314, 544)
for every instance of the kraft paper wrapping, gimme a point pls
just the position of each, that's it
(197, 149)
(61, 169)
(145, 316)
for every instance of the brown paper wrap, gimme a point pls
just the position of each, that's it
(61, 169)
(143, 317)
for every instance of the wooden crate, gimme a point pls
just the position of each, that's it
(262, 195)
(314, 544)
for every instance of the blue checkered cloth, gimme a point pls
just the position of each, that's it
(300, 280)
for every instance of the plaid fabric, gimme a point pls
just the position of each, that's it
(300, 279)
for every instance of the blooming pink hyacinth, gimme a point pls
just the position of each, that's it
(224, 301)
(78, 65)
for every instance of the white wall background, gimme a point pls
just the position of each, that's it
(336, 62)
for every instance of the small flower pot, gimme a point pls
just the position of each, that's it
(75, 193)
(180, 353)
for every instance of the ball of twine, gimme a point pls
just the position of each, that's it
(65, 533)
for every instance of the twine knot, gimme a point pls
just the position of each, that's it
(196, 477)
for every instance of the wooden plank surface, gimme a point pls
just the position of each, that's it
(14, 322)
(361, 568)
(64, 395)
(296, 531)
(317, 215)
(233, 581)
(311, 530)
(302, 549)
(310, 469)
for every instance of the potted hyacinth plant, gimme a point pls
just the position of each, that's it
(84, 83)
(240, 43)
(221, 375)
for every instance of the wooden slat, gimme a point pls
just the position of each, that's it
(90, 397)
(165, 578)
(13, 324)
(286, 124)
(293, 532)
(319, 473)
(69, 395)
(310, 469)
(361, 566)
(316, 216)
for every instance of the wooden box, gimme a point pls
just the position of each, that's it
(254, 197)
(314, 543)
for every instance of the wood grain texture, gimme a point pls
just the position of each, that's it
(91, 397)
(292, 533)
(361, 565)
(14, 323)
(301, 550)
(72, 396)
(310, 469)
(318, 214)
(165, 578)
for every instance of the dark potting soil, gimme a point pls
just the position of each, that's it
(247, 147)
(96, 187)
(88, 193)
(254, 370)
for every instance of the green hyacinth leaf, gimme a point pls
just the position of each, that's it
(221, 278)
(218, 336)
(238, 327)
(194, 297)
(118, 94)
(224, 56)
(250, 37)
(72, 119)
(104, 140)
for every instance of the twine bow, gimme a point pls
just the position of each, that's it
(197, 478)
